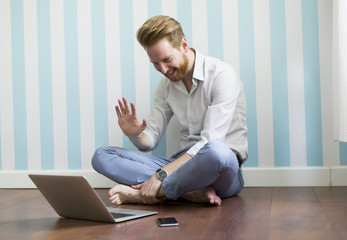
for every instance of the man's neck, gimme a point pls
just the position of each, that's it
(188, 78)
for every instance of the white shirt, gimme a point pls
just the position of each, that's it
(215, 108)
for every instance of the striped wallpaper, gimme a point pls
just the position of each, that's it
(64, 64)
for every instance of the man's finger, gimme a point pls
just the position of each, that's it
(144, 123)
(126, 105)
(121, 106)
(118, 112)
(137, 186)
(133, 109)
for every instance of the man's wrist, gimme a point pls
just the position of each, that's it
(141, 141)
(161, 174)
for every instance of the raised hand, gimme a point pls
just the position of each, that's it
(127, 119)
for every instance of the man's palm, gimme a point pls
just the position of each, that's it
(127, 120)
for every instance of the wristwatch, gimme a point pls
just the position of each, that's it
(161, 174)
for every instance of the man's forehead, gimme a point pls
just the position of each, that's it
(160, 51)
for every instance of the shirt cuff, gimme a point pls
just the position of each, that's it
(151, 137)
(196, 147)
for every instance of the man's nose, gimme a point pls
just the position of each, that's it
(163, 68)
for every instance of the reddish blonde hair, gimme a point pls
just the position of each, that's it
(158, 28)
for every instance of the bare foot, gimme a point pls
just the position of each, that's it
(120, 194)
(206, 195)
(212, 196)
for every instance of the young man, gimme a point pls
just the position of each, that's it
(206, 95)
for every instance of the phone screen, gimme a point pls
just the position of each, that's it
(166, 222)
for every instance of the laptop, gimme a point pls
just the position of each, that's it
(73, 197)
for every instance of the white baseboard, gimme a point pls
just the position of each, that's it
(287, 177)
(254, 177)
(339, 176)
(20, 179)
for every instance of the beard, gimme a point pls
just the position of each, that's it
(180, 71)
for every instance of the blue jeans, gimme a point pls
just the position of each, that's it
(215, 165)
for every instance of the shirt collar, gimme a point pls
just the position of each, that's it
(198, 66)
(198, 73)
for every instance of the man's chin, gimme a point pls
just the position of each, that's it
(174, 79)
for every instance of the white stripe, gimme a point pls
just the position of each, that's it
(296, 88)
(335, 70)
(113, 70)
(342, 39)
(325, 18)
(199, 26)
(58, 84)
(6, 96)
(85, 81)
(263, 78)
(173, 129)
(231, 33)
(142, 65)
(32, 84)
(169, 8)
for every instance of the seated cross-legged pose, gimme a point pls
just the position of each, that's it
(207, 97)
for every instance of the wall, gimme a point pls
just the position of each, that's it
(64, 64)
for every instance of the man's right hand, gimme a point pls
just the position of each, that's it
(127, 120)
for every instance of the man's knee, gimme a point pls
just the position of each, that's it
(221, 153)
(218, 150)
(98, 158)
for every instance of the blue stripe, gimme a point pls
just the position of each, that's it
(279, 83)
(312, 83)
(126, 36)
(215, 28)
(343, 153)
(184, 16)
(155, 8)
(18, 80)
(99, 73)
(72, 85)
(247, 72)
(45, 84)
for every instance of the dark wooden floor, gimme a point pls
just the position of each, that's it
(257, 213)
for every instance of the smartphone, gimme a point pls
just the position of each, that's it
(167, 222)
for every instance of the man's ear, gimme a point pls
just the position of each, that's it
(184, 45)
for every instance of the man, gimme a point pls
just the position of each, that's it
(207, 98)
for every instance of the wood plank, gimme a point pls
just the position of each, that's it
(297, 214)
(194, 220)
(334, 203)
(23, 212)
(13, 197)
(245, 216)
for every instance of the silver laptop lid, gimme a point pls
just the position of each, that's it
(73, 197)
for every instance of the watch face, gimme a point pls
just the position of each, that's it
(162, 174)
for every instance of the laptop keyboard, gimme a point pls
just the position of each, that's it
(119, 215)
